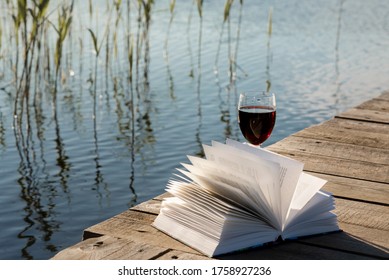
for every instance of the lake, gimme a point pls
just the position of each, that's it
(138, 88)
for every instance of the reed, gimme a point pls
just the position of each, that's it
(46, 39)
(232, 53)
(171, 9)
(33, 26)
(200, 7)
(1, 39)
(29, 20)
(64, 22)
(269, 54)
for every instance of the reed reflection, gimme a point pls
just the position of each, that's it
(60, 89)
(2, 130)
(166, 53)
(200, 151)
(337, 41)
(269, 56)
(228, 93)
(39, 195)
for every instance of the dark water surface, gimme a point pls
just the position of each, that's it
(110, 141)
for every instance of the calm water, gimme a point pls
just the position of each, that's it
(108, 144)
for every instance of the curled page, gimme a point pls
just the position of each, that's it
(289, 172)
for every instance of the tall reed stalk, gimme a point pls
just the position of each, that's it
(269, 54)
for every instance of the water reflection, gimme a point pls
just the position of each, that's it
(34, 94)
(166, 53)
(55, 60)
(92, 136)
(338, 84)
(188, 28)
(2, 131)
(269, 55)
(39, 197)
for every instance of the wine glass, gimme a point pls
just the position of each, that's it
(256, 115)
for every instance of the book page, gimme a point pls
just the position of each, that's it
(211, 232)
(249, 234)
(289, 172)
(231, 194)
(307, 187)
(231, 177)
(196, 195)
(262, 175)
(320, 203)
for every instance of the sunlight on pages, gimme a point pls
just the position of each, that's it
(242, 196)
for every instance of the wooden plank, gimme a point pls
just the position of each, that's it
(350, 125)
(353, 132)
(113, 248)
(346, 242)
(356, 239)
(350, 151)
(178, 255)
(340, 167)
(293, 250)
(162, 196)
(375, 105)
(368, 221)
(334, 149)
(136, 231)
(355, 189)
(137, 251)
(92, 249)
(330, 152)
(150, 206)
(110, 248)
(366, 233)
(366, 115)
(374, 110)
(363, 214)
(384, 95)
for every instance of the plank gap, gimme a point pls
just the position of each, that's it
(356, 119)
(161, 254)
(311, 148)
(143, 211)
(361, 200)
(346, 177)
(89, 234)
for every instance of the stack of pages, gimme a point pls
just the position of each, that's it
(242, 196)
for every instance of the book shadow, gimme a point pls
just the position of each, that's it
(333, 246)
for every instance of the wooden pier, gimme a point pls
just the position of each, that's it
(351, 151)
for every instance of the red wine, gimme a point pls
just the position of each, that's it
(256, 123)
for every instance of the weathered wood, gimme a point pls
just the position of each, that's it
(178, 255)
(151, 206)
(108, 248)
(384, 96)
(374, 110)
(334, 149)
(93, 248)
(366, 115)
(347, 242)
(367, 215)
(338, 166)
(351, 151)
(355, 189)
(352, 216)
(136, 231)
(352, 132)
(375, 105)
(294, 251)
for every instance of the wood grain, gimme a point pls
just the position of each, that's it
(350, 151)
(354, 189)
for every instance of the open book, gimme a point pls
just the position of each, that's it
(242, 196)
